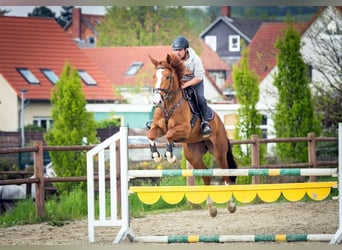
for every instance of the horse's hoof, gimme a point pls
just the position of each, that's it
(172, 159)
(213, 212)
(156, 157)
(231, 207)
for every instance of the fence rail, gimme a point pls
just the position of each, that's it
(38, 148)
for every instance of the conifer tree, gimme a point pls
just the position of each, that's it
(71, 123)
(249, 118)
(294, 115)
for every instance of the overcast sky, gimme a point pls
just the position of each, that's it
(24, 10)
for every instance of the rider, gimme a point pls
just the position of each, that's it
(193, 77)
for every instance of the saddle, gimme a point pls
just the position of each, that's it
(190, 96)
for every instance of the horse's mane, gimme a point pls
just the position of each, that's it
(173, 63)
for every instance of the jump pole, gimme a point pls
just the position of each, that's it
(233, 172)
(234, 238)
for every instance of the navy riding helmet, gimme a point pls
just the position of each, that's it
(181, 42)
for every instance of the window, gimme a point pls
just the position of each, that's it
(86, 77)
(309, 75)
(263, 119)
(234, 43)
(49, 74)
(264, 133)
(133, 69)
(43, 122)
(28, 75)
(91, 40)
(211, 42)
(263, 126)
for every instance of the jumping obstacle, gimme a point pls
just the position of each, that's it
(234, 238)
(196, 194)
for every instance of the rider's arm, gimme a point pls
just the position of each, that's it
(192, 82)
(198, 72)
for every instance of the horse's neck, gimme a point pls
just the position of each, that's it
(177, 99)
(178, 105)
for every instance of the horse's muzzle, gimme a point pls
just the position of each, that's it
(157, 100)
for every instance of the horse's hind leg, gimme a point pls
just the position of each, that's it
(231, 206)
(194, 153)
(222, 160)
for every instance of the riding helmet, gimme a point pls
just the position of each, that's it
(181, 42)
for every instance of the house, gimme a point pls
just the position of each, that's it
(262, 58)
(131, 70)
(263, 61)
(226, 33)
(83, 28)
(33, 53)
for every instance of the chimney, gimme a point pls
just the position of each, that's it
(225, 11)
(76, 23)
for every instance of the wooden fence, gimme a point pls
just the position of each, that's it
(38, 148)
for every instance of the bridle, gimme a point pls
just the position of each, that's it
(168, 95)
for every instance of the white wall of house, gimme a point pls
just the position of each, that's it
(210, 92)
(326, 34)
(9, 104)
(39, 114)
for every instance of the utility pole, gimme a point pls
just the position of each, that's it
(23, 92)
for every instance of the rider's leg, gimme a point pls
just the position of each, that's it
(202, 105)
(205, 126)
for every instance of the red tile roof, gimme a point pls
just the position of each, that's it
(263, 53)
(114, 62)
(36, 43)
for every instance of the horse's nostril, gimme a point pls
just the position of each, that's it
(157, 104)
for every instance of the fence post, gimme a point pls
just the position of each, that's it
(312, 153)
(39, 173)
(255, 157)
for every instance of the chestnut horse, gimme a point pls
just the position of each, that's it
(173, 117)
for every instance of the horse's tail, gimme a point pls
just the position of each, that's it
(231, 161)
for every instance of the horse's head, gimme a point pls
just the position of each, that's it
(167, 78)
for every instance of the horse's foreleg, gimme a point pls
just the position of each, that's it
(152, 134)
(169, 153)
(154, 152)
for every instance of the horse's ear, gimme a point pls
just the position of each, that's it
(172, 60)
(168, 58)
(154, 61)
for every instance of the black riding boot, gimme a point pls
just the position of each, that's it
(205, 126)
